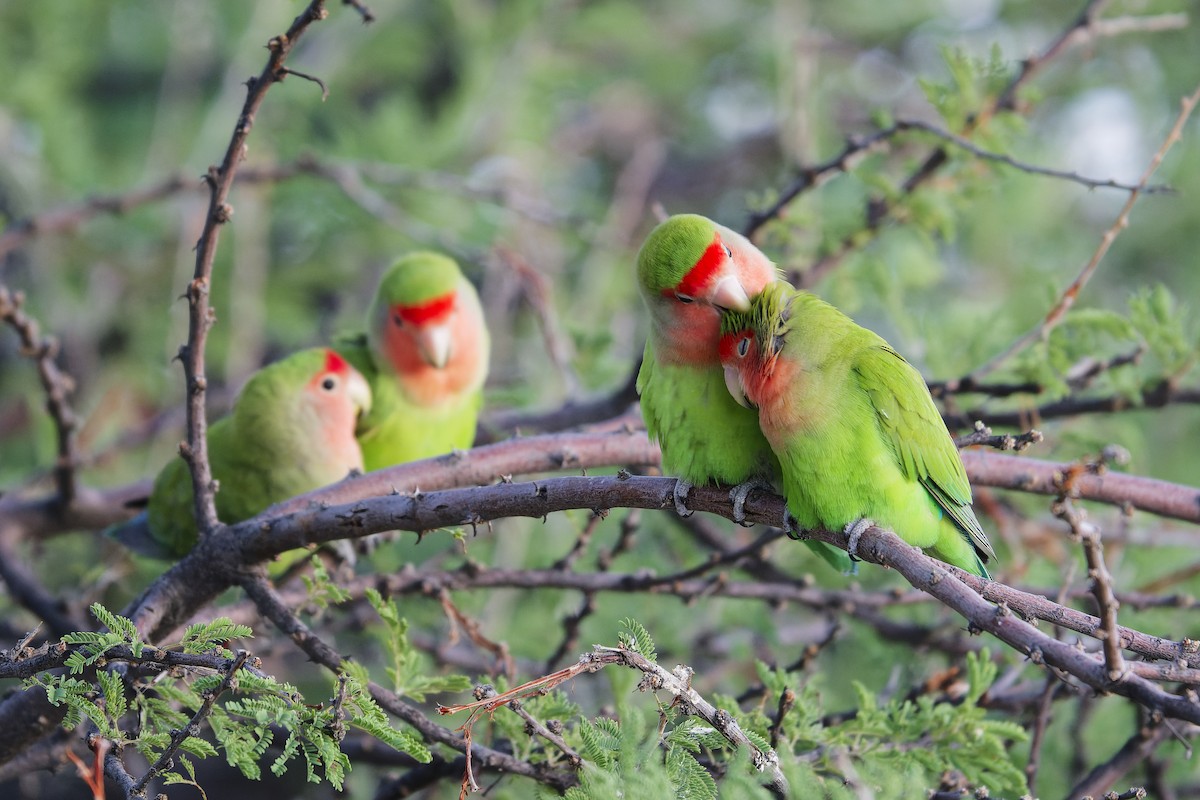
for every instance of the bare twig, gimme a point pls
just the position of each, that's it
(537, 293)
(1000, 158)
(55, 383)
(679, 683)
(200, 314)
(982, 435)
(1136, 750)
(367, 16)
(1071, 293)
(1157, 395)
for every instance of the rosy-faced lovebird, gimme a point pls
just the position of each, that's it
(291, 430)
(858, 437)
(425, 354)
(689, 270)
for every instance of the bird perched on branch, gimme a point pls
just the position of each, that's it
(857, 435)
(425, 355)
(689, 270)
(291, 430)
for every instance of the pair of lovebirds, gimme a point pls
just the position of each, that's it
(409, 387)
(748, 381)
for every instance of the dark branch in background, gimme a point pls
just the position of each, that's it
(571, 414)
(535, 288)
(367, 16)
(200, 314)
(1001, 158)
(56, 384)
(1136, 750)
(1159, 395)
(1080, 376)
(1067, 299)
(983, 436)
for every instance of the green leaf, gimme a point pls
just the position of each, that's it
(635, 637)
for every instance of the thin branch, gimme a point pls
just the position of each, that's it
(1001, 158)
(535, 288)
(679, 683)
(200, 315)
(982, 435)
(1157, 395)
(367, 15)
(571, 414)
(1136, 750)
(193, 727)
(26, 589)
(1102, 584)
(115, 771)
(57, 385)
(1071, 293)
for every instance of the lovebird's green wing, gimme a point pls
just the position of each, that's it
(921, 445)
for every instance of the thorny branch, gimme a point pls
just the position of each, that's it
(200, 315)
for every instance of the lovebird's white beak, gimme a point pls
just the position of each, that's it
(733, 382)
(728, 294)
(433, 342)
(359, 392)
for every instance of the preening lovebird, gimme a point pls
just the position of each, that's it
(689, 270)
(291, 430)
(425, 354)
(858, 437)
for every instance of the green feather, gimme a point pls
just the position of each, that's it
(705, 436)
(271, 447)
(402, 426)
(855, 429)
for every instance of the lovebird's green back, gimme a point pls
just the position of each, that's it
(856, 431)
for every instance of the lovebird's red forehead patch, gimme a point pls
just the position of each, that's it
(701, 274)
(335, 363)
(727, 346)
(429, 311)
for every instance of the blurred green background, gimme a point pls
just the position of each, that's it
(545, 134)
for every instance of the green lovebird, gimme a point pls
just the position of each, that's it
(425, 354)
(858, 437)
(291, 430)
(689, 270)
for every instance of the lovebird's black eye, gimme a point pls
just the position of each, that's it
(743, 348)
(728, 252)
(683, 298)
(398, 320)
(329, 384)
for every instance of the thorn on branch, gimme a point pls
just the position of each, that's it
(283, 71)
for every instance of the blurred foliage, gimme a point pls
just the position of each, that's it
(551, 129)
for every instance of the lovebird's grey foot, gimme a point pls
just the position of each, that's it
(738, 495)
(682, 488)
(855, 530)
